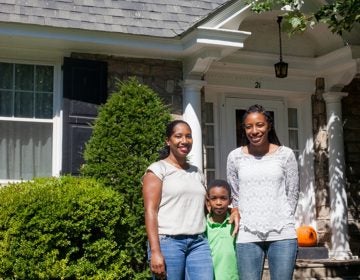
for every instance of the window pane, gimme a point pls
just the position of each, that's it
(43, 106)
(210, 176)
(209, 135)
(210, 158)
(293, 139)
(239, 137)
(6, 103)
(26, 100)
(24, 104)
(24, 77)
(6, 76)
(209, 112)
(44, 78)
(25, 150)
(292, 116)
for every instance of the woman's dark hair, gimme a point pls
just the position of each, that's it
(272, 137)
(165, 151)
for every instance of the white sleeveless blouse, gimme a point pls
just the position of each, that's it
(181, 209)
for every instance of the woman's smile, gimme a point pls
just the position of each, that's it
(256, 129)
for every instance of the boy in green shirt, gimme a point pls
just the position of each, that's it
(219, 231)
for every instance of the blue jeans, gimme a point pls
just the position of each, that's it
(186, 257)
(281, 257)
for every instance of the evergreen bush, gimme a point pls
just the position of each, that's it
(63, 228)
(127, 135)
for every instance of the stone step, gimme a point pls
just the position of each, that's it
(323, 269)
(313, 253)
(327, 269)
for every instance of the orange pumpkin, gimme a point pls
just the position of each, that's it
(307, 236)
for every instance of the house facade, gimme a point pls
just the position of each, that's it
(208, 60)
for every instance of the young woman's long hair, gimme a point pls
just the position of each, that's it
(272, 137)
(165, 151)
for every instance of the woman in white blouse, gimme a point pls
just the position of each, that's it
(264, 178)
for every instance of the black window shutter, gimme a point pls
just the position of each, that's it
(84, 89)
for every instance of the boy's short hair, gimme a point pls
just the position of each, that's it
(219, 183)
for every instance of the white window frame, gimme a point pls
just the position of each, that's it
(56, 62)
(210, 97)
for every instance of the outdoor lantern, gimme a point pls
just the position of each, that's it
(281, 67)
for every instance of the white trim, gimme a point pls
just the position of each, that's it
(19, 119)
(110, 43)
(229, 17)
(306, 210)
(58, 121)
(215, 99)
(213, 36)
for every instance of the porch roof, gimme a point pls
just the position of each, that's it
(159, 18)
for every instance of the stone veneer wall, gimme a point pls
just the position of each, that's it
(351, 120)
(163, 76)
(321, 164)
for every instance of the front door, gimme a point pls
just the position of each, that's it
(233, 111)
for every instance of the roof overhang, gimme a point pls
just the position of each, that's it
(76, 40)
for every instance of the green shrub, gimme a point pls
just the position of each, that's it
(63, 228)
(127, 135)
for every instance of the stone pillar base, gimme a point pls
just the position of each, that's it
(340, 255)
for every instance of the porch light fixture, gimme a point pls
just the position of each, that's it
(281, 68)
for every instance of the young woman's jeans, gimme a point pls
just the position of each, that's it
(281, 257)
(186, 257)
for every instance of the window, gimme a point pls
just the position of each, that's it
(26, 120)
(293, 130)
(209, 156)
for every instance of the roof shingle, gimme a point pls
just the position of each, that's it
(161, 18)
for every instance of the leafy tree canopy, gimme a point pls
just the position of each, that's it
(339, 15)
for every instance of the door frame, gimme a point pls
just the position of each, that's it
(306, 211)
(228, 122)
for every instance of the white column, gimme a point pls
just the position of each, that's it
(338, 200)
(192, 115)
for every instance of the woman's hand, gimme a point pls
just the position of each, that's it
(235, 219)
(157, 265)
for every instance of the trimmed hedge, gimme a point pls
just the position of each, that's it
(127, 135)
(63, 228)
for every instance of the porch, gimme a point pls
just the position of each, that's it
(322, 268)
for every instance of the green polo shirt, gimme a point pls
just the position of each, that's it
(222, 246)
